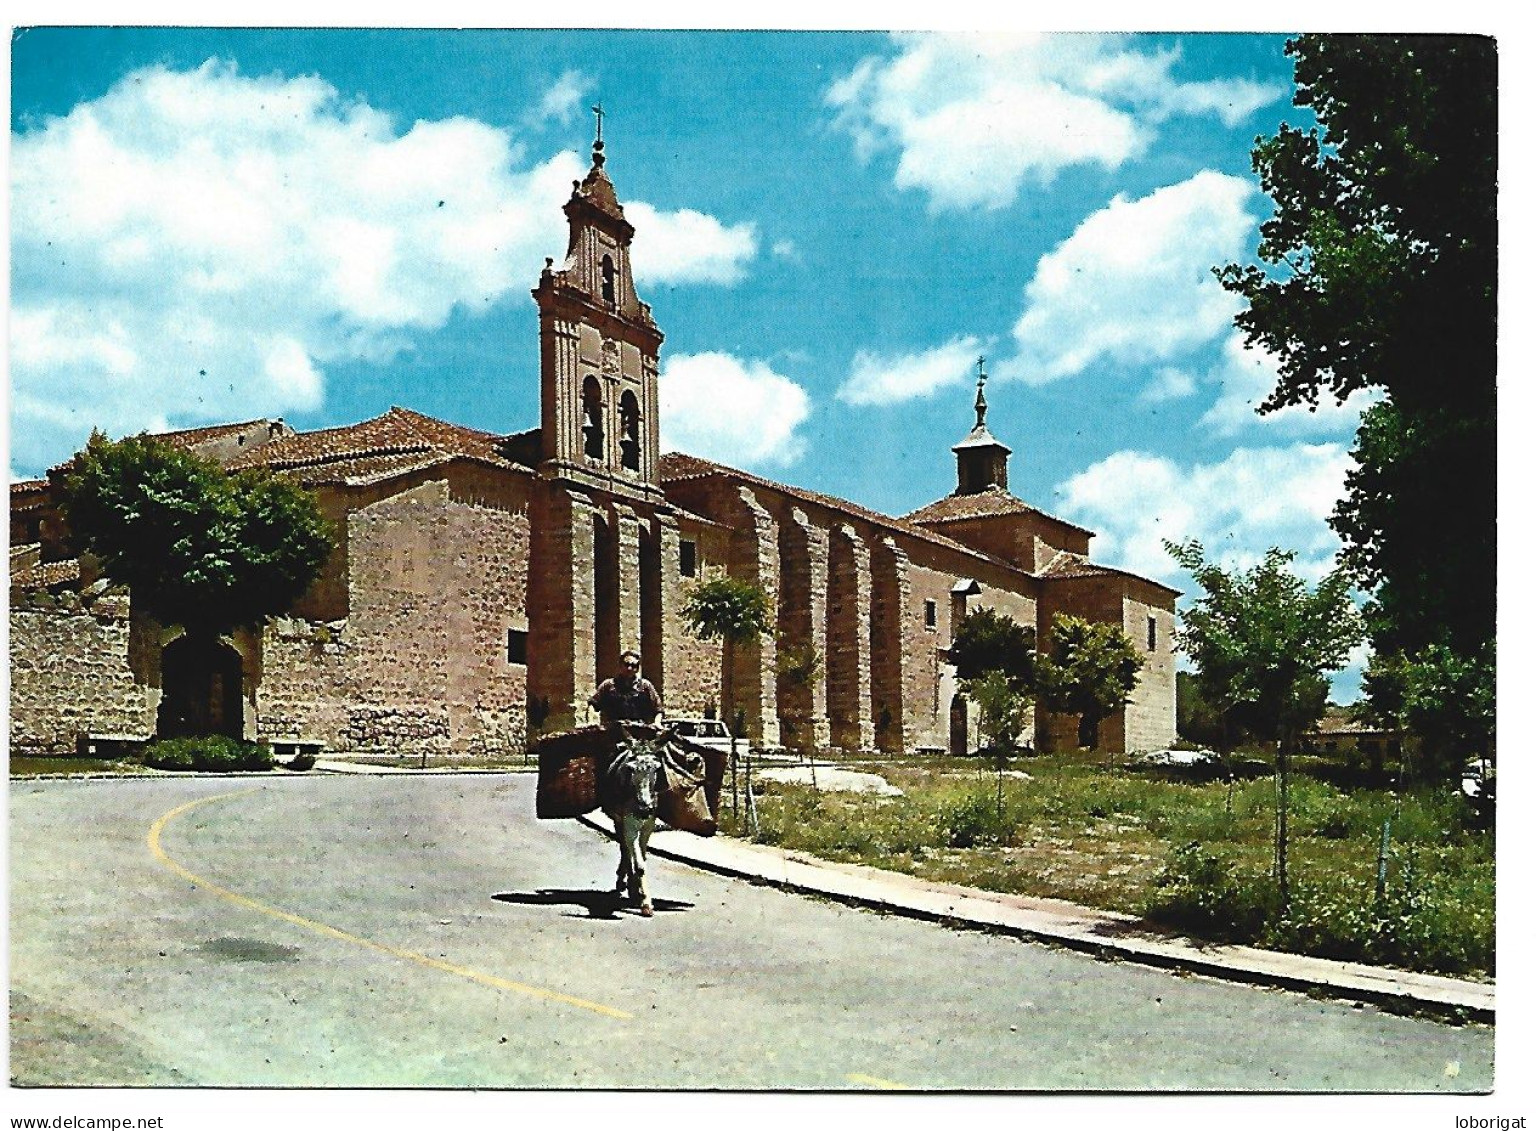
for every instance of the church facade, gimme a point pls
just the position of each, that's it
(483, 584)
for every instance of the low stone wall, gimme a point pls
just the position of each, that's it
(71, 672)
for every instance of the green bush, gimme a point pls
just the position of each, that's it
(210, 754)
(975, 820)
(1319, 809)
(1203, 894)
(1423, 921)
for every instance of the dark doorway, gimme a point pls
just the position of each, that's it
(201, 689)
(959, 728)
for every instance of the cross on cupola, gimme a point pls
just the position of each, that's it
(981, 461)
(981, 396)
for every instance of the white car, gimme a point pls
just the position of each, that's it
(701, 732)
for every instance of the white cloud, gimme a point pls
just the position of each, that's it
(1254, 499)
(1133, 283)
(561, 101)
(1246, 377)
(1238, 508)
(892, 378)
(688, 246)
(1169, 385)
(202, 245)
(974, 116)
(738, 412)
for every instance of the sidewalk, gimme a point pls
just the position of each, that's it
(1105, 934)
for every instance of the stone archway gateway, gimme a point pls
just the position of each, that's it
(201, 681)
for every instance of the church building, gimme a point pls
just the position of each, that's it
(483, 584)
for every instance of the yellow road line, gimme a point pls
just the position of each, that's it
(333, 933)
(876, 1082)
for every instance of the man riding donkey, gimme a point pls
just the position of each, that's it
(633, 780)
(628, 696)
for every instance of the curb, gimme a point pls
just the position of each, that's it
(1445, 998)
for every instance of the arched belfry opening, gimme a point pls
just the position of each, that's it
(629, 427)
(201, 689)
(609, 294)
(592, 418)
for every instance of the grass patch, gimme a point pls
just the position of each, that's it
(1191, 854)
(32, 766)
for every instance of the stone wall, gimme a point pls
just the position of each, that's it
(858, 595)
(73, 663)
(437, 578)
(690, 678)
(1148, 721)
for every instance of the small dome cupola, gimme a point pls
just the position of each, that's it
(981, 460)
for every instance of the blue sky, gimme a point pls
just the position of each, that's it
(221, 224)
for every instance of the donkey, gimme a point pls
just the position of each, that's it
(632, 786)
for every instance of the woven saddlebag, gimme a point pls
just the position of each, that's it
(570, 763)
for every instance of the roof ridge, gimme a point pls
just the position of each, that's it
(847, 506)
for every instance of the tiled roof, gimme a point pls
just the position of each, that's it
(29, 493)
(389, 444)
(1071, 565)
(187, 437)
(1066, 566)
(983, 504)
(47, 574)
(191, 437)
(678, 466)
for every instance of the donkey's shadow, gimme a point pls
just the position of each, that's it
(598, 904)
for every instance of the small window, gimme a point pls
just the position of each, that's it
(1151, 634)
(688, 558)
(931, 614)
(517, 646)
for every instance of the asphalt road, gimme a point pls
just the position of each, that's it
(427, 931)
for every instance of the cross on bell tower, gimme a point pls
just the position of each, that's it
(599, 347)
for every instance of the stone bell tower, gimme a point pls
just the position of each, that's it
(601, 532)
(598, 351)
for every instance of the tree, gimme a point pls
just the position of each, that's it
(1089, 670)
(735, 612)
(1448, 702)
(989, 641)
(1198, 721)
(1380, 271)
(197, 547)
(1004, 711)
(728, 610)
(1262, 644)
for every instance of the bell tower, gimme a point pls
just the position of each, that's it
(598, 350)
(981, 460)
